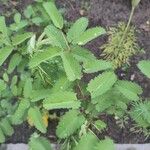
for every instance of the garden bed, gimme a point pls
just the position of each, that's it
(106, 14)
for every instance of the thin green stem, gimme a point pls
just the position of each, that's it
(127, 27)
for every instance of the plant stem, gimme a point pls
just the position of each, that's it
(127, 27)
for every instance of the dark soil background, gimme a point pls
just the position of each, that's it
(104, 13)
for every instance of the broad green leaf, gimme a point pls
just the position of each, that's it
(14, 62)
(20, 38)
(39, 94)
(39, 143)
(96, 65)
(54, 14)
(4, 53)
(144, 66)
(2, 136)
(6, 127)
(56, 37)
(101, 83)
(61, 99)
(21, 110)
(77, 29)
(82, 54)
(106, 144)
(35, 115)
(87, 142)
(27, 88)
(69, 124)
(43, 56)
(71, 66)
(129, 89)
(89, 35)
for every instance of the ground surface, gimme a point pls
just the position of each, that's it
(105, 13)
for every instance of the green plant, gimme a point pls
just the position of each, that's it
(41, 72)
(122, 43)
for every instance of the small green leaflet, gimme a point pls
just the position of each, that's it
(77, 29)
(106, 144)
(69, 124)
(14, 62)
(39, 94)
(2, 136)
(71, 66)
(4, 53)
(3, 28)
(18, 39)
(89, 35)
(144, 66)
(96, 65)
(39, 143)
(43, 56)
(36, 116)
(27, 88)
(82, 54)
(61, 99)
(6, 127)
(2, 85)
(87, 142)
(54, 14)
(129, 89)
(101, 83)
(100, 125)
(56, 37)
(21, 110)
(17, 18)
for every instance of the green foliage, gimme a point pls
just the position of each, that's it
(144, 66)
(39, 143)
(35, 115)
(62, 99)
(129, 89)
(101, 84)
(69, 124)
(41, 72)
(54, 14)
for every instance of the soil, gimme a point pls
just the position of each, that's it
(104, 13)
